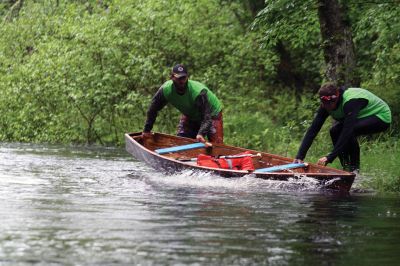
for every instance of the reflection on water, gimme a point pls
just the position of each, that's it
(88, 205)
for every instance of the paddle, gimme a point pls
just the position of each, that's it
(280, 167)
(221, 157)
(186, 147)
(239, 156)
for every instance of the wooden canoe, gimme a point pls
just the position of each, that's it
(148, 151)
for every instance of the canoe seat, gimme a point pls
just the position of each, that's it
(280, 167)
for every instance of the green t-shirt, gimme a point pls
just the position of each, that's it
(185, 103)
(376, 106)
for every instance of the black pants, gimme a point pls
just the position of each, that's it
(189, 129)
(350, 156)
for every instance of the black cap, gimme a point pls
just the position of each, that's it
(179, 71)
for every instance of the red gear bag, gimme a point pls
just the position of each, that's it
(242, 163)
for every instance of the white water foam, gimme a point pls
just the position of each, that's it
(201, 179)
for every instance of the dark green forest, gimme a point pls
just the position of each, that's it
(84, 72)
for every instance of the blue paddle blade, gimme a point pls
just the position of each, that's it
(280, 167)
(181, 148)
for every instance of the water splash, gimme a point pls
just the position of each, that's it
(201, 179)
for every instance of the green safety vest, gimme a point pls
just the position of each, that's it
(186, 102)
(376, 106)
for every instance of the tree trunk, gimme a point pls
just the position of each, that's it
(14, 10)
(337, 43)
(286, 71)
(255, 6)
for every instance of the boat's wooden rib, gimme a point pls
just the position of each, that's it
(145, 150)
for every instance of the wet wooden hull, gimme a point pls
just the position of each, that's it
(144, 150)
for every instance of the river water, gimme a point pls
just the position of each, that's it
(65, 205)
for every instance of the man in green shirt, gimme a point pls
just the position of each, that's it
(201, 110)
(356, 112)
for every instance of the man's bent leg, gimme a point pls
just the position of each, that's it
(216, 134)
(369, 125)
(335, 132)
(186, 128)
(364, 126)
(354, 154)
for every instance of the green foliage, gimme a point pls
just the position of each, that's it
(293, 25)
(294, 22)
(378, 42)
(89, 69)
(276, 124)
(380, 167)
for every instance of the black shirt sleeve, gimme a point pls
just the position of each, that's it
(205, 109)
(351, 110)
(157, 103)
(312, 132)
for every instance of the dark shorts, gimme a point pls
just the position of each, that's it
(189, 129)
(350, 155)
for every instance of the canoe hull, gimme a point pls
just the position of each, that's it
(143, 150)
(169, 165)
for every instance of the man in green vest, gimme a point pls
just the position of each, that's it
(356, 112)
(201, 110)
